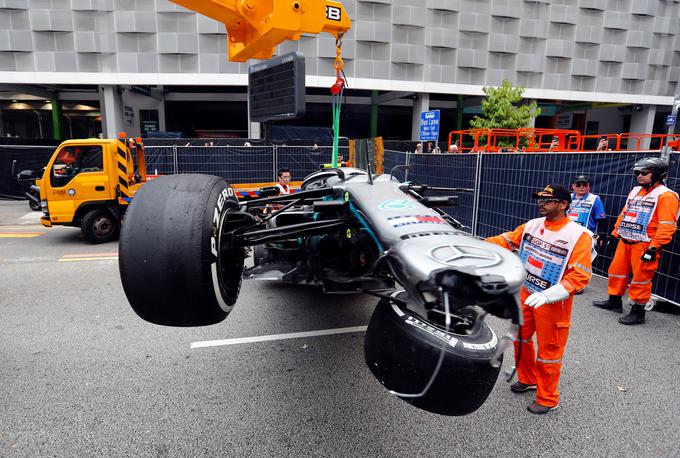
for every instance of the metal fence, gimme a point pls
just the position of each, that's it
(503, 184)
(238, 164)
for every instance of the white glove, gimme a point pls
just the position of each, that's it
(553, 294)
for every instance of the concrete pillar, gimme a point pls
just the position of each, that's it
(254, 128)
(374, 114)
(111, 108)
(532, 121)
(161, 109)
(642, 122)
(420, 103)
(459, 113)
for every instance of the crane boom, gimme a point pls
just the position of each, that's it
(256, 27)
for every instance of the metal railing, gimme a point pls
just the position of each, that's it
(530, 139)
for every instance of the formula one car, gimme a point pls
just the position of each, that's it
(184, 240)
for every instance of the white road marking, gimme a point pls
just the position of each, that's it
(293, 335)
(32, 215)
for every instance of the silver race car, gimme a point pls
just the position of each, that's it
(183, 246)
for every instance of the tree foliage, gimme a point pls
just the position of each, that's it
(500, 111)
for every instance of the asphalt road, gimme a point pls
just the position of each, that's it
(82, 375)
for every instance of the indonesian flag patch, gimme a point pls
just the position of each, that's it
(533, 266)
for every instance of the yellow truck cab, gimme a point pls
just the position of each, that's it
(89, 184)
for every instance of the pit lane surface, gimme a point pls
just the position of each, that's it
(81, 374)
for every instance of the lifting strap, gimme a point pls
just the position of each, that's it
(336, 97)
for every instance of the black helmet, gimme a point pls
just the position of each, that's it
(402, 351)
(656, 165)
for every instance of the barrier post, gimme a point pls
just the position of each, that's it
(175, 166)
(275, 162)
(477, 188)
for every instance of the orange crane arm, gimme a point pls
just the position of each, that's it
(256, 27)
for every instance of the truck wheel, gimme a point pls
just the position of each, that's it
(35, 206)
(174, 268)
(99, 226)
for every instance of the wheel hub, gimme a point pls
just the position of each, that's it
(102, 226)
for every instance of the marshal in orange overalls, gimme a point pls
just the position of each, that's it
(627, 259)
(550, 322)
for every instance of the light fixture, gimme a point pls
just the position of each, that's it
(14, 100)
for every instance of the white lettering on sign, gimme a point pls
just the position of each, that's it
(218, 219)
(333, 13)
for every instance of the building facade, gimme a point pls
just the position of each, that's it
(131, 58)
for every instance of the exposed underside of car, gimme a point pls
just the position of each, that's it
(185, 238)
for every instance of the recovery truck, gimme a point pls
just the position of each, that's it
(90, 183)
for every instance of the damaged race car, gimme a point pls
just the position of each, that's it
(183, 246)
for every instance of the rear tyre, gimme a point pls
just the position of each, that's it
(99, 226)
(173, 265)
(35, 206)
(402, 351)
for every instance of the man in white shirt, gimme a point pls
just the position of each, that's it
(284, 181)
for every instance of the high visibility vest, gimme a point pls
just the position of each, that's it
(283, 190)
(580, 209)
(638, 213)
(545, 253)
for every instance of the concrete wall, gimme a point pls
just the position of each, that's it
(620, 47)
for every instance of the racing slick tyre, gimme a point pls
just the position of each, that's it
(99, 226)
(173, 265)
(402, 351)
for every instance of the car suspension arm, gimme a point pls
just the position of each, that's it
(275, 234)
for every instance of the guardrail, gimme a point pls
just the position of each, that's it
(531, 139)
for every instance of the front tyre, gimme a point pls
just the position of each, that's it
(402, 350)
(173, 265)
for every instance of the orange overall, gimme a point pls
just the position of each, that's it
(660, 230)
(550, 322)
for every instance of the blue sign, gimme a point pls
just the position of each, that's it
(670, 120)
(429, 125)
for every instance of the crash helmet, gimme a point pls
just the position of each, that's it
(656, 165)
(442, 372)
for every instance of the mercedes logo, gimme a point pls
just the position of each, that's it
(464, 256)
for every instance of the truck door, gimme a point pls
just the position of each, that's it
(78, 175)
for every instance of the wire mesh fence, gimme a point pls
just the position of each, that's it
(508, 180)
(441, 170)
(303, 160)
(502, 183)
(666, 282)
(239, 164)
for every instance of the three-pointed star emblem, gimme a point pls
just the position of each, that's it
(464, 255)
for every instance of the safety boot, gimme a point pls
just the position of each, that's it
(519, 387)
(636, 315)
(538, 409)
(614, 303)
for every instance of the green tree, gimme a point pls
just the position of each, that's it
(500, 109)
